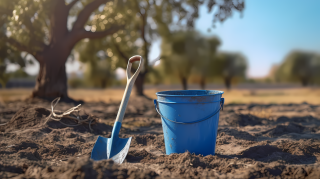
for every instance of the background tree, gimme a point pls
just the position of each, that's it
(118, 48)
(180, 54)
(229, 66)
(207, 55)
(8, 55)
(99, 74)
(99, 70)
(40, 28)
(147, 20)
(300, 66)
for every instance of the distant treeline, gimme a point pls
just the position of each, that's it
(298, 66)
(191, 58)
(188, 57)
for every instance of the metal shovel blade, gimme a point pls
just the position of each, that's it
(119, 153)
(113, 148)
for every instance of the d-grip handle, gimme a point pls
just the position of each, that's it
(131, 60)
(130, 82)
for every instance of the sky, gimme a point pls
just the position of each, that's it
(265, 33)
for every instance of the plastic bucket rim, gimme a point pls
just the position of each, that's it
(218, 93)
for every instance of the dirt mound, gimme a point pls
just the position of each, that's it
(148, 140)
(134, 156)
(244, 120)
(287, 128)
(236, 134)
(85, 168)
(186, 159)
(260, 152)
(26, 117)
(31, 117)
(268, 153)
(300, 147)
(196, 166)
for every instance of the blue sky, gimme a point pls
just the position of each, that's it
(267, 31)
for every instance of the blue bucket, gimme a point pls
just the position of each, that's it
(190, 120)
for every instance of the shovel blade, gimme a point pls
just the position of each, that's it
(111, 148)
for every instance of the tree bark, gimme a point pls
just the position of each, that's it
(51, 82)
(52, 78)
(227, 82)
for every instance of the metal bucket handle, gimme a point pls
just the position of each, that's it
(158, 110)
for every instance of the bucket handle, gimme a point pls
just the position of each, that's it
(158, 110)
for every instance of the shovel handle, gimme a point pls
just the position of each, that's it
(130, 82)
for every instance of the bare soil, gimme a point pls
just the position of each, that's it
(254, 141)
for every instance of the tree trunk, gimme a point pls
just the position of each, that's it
(103, 83)
(227, 82)
(138, 84)
(52, 78)
(304, 82)
(51, 82)
(184, 82)
(202, 83)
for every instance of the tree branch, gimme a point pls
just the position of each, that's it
(124, 56)
(18, 45)
(70, 5)
(86, 12)
(22, 47)
(153, 62)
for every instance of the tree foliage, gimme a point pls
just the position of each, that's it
(8, 55)
(35, 24)
(99, 71)
(188, 53)
(147, 20)
(185, 51)
(229, 66)
(300, 66)
(206, 59)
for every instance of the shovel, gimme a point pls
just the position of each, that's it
(116, 148)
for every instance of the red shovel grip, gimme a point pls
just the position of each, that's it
(134, 59)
